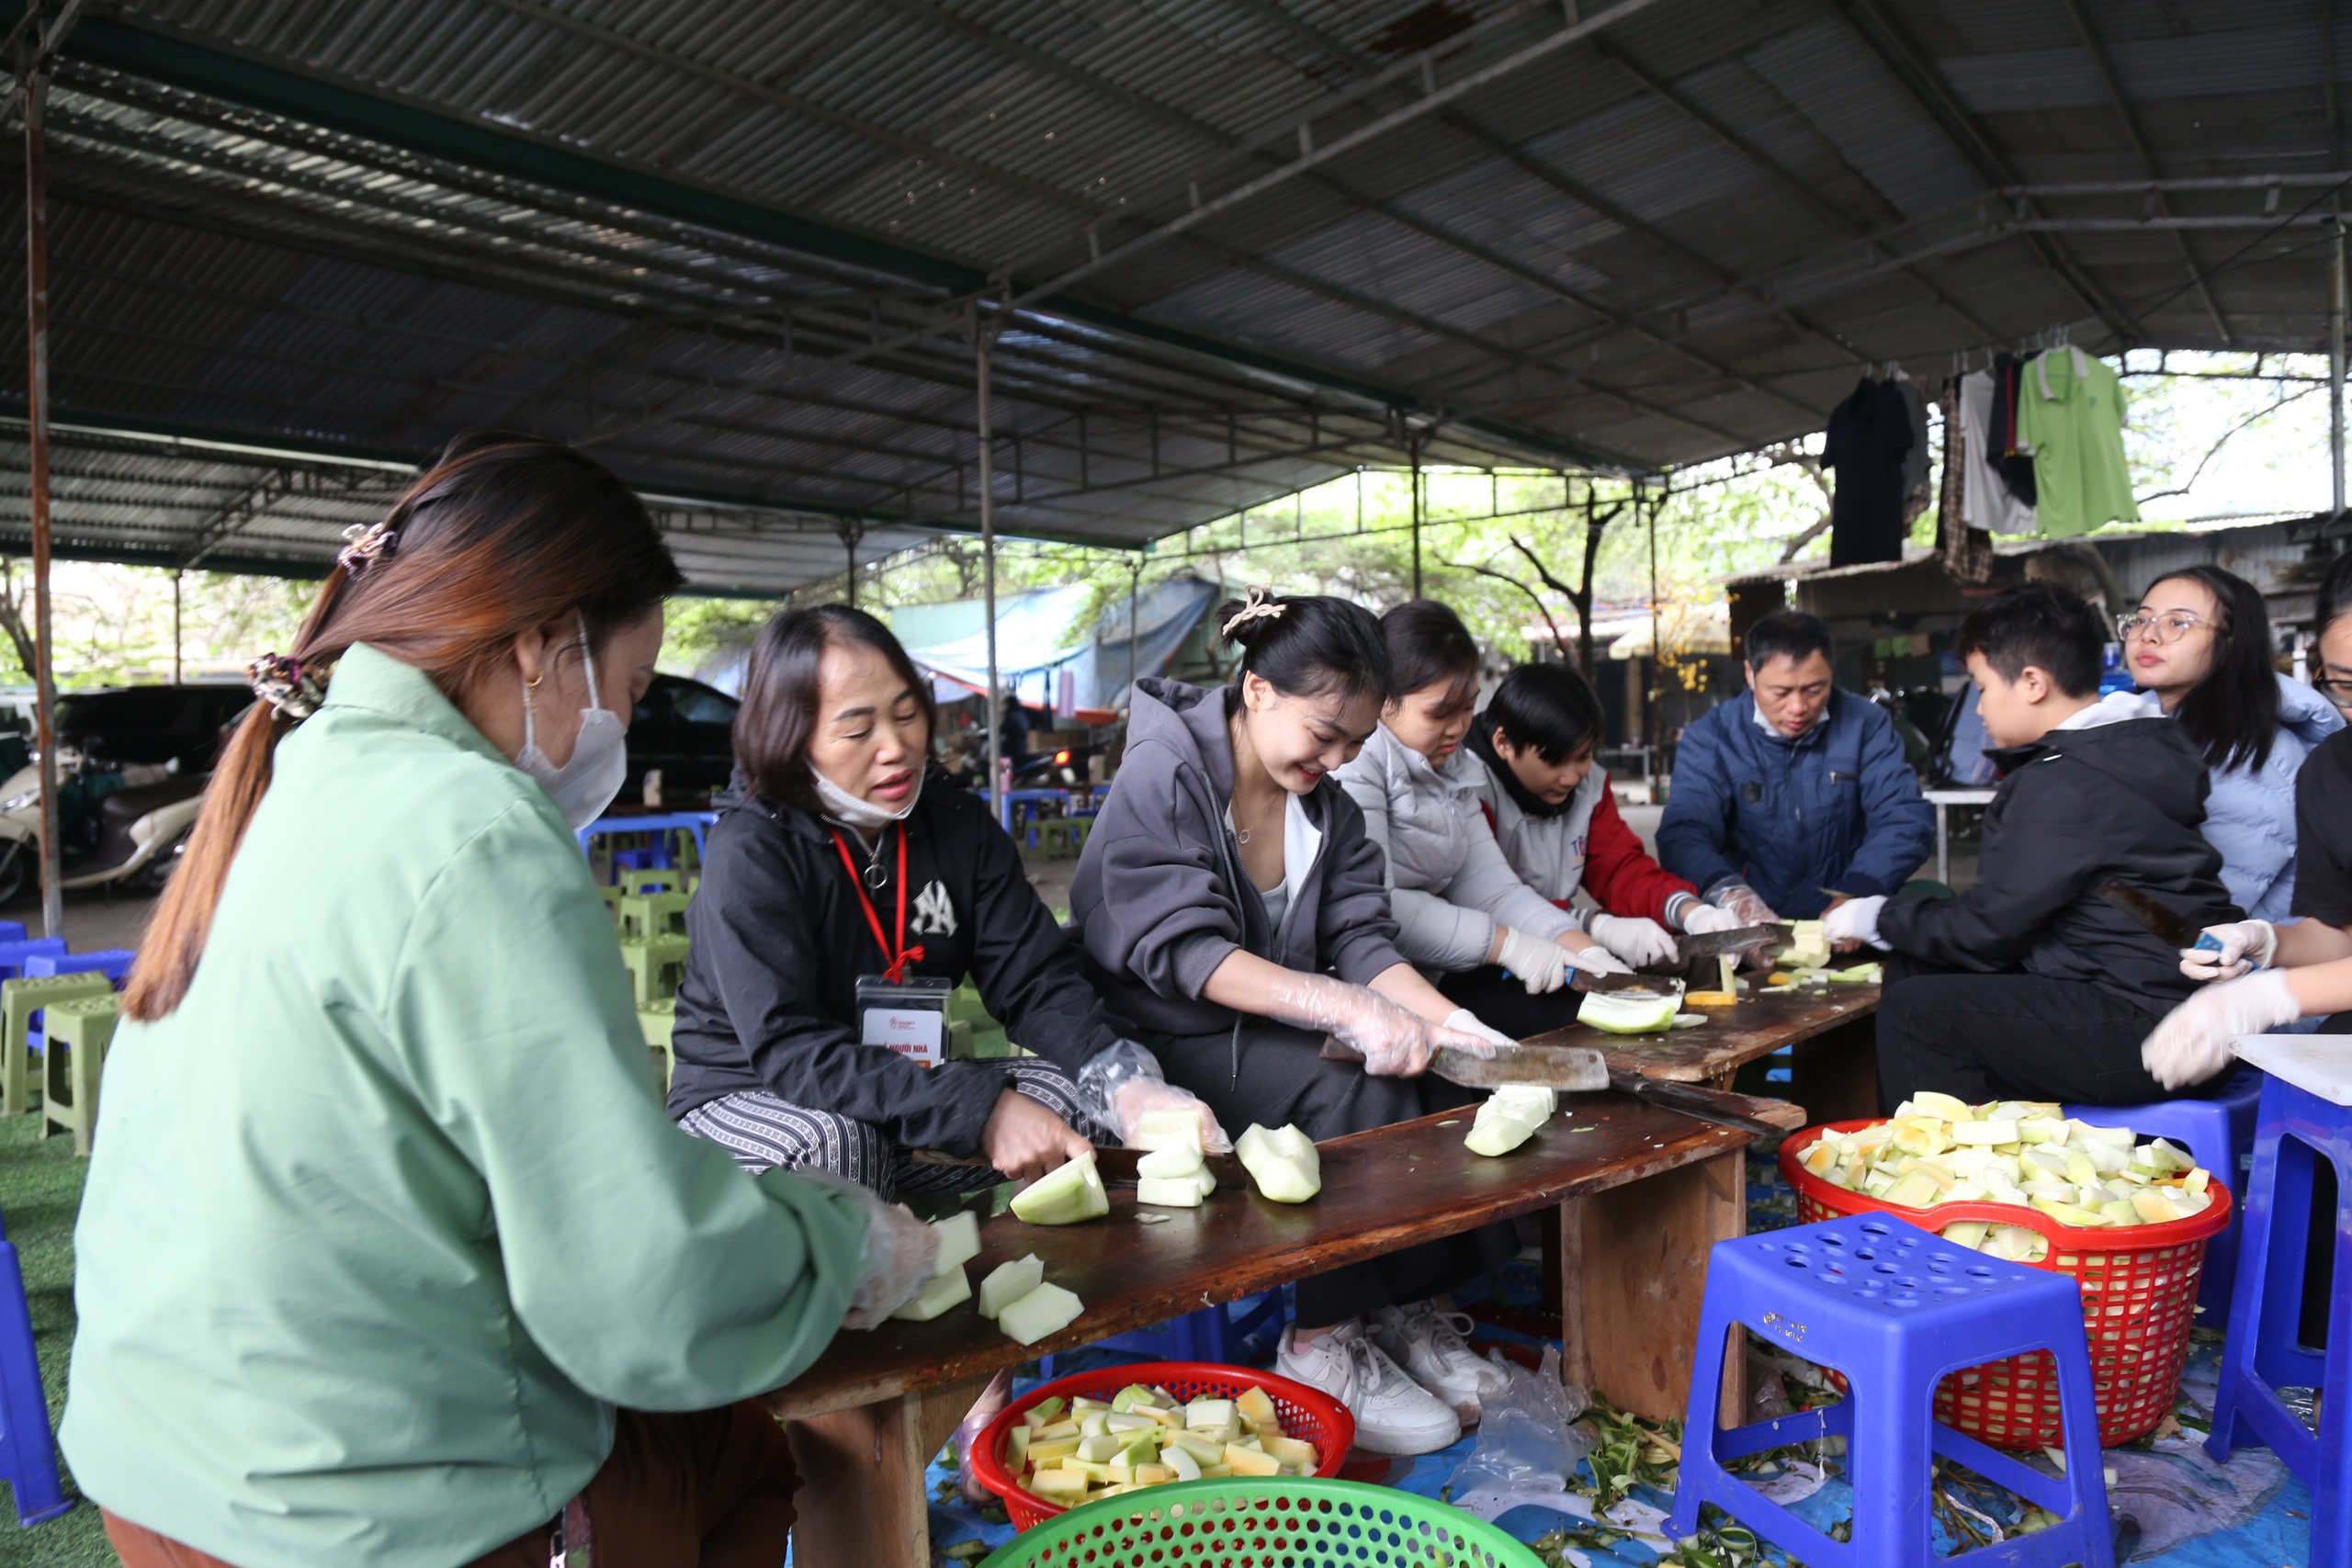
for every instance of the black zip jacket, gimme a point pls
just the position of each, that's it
(779, 940)
(2122, 799)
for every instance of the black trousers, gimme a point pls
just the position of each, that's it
(1503, 1003)
(1985, 1037)
(1273, 1075)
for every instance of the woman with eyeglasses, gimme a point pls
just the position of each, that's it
(2273, 973)
(2200, 643)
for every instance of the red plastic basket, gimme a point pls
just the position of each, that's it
(2138, 1285)
(1307, 1414)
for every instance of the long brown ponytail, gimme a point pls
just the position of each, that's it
(503, 533)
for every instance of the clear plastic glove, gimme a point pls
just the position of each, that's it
(1740, 901)
(898, 1255)
(1540, 966)
(1464, 1021)
(1699, 919)
(2247, 946)
(1637, 941)
(1393, 1042)
(1595, 959)
(1124, 1081)
(1852, 923)
(2197, 1038)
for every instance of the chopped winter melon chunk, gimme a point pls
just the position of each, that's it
(1292, 1452)
(943, 1290)
(1283, 1162)
(1157, 1129)
(1250, 1461)
(1168, 1192)
(1180, 1461)
(1058, 1482)
(1256, 1406)
(1065, 1195)
(1626, 1012)
(1808, 946)
(1206, 1415)
(1984, 1134)
(959, 1241)
(1168, 1162)
(1008, 1282)
(1499, 1128)
(1047, 1310)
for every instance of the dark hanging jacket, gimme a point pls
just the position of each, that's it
(778, 940)
(2123, 795)
(1160, 894)
(1870, 436)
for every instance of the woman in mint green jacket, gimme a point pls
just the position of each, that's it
(388, 1251)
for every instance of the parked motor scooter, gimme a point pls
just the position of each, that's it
(118, 827)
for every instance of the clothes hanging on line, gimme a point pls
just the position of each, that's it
(2013, 463)
(1986, 501)
(1869, 439)
(1967, 550)
(2070, 411)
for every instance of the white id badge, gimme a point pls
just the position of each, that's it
(909, 1017)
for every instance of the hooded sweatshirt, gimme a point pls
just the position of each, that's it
(2250, 815)
(2115, 791)
(1160, 894)
(1449, 885)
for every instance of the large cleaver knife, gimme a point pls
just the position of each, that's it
(2163, 924)
(1766, 941)
(1574, 1069)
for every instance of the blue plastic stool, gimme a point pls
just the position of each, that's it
(2264, 1353)
(13, 954)
(114, 963)
(1895, 1309)
(27, 1458)
(2219, 1133)
(1209, 1335)
(12, 930)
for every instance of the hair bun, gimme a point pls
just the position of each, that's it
(1243, 621)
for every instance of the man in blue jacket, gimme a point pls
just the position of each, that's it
(1796, 788)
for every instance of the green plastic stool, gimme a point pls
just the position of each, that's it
(656, 965)
(612, 897)
(653, 914)
(72, 1054)
(660, 1021)
(639, 879)
(1264, 1522)
(20, 1000)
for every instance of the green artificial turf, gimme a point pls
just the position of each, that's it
(41, 1187)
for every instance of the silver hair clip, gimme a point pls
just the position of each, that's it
(365, 544)
(1253, 604)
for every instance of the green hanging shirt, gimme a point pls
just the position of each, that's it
(2070, 411)
(386, 1219)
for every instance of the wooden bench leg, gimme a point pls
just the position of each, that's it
(862, 1497)
(1633, 1269)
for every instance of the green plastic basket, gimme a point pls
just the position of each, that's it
(1264, 1522)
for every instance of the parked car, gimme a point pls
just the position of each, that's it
(687, 730)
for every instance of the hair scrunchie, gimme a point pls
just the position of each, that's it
(284, 684)
(1254, 604)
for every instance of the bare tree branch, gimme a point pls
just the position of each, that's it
(2214, 451)
(1789, 551)
(1541, 608)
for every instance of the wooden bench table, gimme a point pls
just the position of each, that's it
(1643, 1192)
(1836, 1072)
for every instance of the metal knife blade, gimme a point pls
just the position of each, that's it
(1768, 939)
(1706, 1105)
(1572, 1069)
(1585, 980)
(1115, 1166)
(2158, 921)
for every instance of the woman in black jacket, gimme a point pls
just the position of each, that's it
(836, 861)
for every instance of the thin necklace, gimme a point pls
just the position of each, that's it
(874, 875)
(1241, 835)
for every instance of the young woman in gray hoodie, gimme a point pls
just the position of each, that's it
(1233, 909)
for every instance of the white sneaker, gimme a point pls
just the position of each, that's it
(1429, 1345)
(1394, 1413)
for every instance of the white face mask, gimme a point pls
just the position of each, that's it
(863, 816)
(583, 786)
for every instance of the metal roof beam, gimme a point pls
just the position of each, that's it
(173, 58)
(2130, 123)
(1920, 78)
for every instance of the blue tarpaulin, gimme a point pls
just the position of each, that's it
(1041, 635)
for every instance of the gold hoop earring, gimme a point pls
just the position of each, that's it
(533, 684)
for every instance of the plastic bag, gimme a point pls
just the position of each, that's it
(1527, 1441)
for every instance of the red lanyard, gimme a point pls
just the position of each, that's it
(897, 969)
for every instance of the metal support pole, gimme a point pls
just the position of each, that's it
(2336, 288)
(177, 676)
(983, 338)
(1651, 734)
(1134, 577)
(36, 86)
(851, 534)
(1414, 446)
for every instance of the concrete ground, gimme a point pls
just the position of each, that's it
(93, 921)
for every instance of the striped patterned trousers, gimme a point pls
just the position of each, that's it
(763, 1130)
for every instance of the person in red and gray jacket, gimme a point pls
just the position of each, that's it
(1558, 822)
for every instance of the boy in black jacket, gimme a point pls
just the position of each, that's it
(2029, 986)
